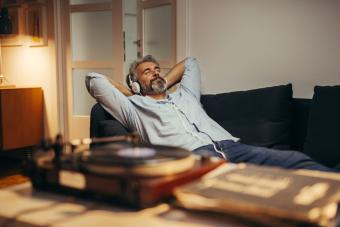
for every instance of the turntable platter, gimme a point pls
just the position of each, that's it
(136, 160)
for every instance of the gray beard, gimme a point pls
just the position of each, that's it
(157, 86)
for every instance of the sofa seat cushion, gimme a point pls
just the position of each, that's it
(261, 117)
(323, 133)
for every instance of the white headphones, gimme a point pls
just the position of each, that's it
(134, 85)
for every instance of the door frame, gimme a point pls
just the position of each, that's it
(145, 4)
(61, 66)
(70, 123)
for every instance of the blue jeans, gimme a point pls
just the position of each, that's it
(237, 152)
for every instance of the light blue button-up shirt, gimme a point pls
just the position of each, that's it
(179, 120)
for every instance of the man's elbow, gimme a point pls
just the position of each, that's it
(88, 83)
(90, 79)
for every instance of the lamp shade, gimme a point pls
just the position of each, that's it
(5, 22)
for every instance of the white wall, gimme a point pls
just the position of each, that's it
(245, 44)
(26, 66)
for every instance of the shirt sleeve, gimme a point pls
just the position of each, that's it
(191, 80)
(111, 99)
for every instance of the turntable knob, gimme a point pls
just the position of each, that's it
(58, 149)
(46, 144)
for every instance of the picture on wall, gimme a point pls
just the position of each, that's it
(36, 28)
(32, 1)
(7, 3)
(15, 38)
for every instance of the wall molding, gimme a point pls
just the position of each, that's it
(60, 68)
(183, 29)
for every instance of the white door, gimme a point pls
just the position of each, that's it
(105, 36)
(94, 44)
(130, 33)
(157, 30)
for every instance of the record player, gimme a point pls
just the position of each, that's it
(115, 169)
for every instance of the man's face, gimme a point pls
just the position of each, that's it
(149, 78)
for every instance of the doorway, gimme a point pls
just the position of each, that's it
(150, 28)
(105, 36)
(93, 44)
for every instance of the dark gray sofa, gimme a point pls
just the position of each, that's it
(268, 117)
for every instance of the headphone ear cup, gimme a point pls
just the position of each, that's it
(135, 87)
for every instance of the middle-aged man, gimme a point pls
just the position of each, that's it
(177, 118)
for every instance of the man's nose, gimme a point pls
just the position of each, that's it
(155, 73)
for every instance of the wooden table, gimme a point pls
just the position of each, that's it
(21, 117)
(22, 206)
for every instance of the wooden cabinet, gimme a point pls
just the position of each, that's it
(21, 117)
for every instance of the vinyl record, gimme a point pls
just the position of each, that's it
(124, 158)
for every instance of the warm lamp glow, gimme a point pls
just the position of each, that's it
(5, 28)
(2, 77)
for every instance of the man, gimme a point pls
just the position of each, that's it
(177, 118)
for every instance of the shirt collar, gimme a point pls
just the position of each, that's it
(166, 100)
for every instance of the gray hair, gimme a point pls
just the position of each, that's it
(134, 65)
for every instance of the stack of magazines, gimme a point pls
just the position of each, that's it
(267, 195)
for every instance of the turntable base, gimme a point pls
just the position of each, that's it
(133, 191)
(134, 175)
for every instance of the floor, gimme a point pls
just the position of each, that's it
(11, 171)
(12, 180)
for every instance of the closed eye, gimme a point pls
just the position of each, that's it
(146, 71)
(149, 70)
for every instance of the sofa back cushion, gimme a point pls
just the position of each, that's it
(261, 117)
(323, 134)
(301, 107)
(102, 124)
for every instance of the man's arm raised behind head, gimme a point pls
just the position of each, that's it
(175, 74)
(111, 97)
(123, 89)
(188, 74)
